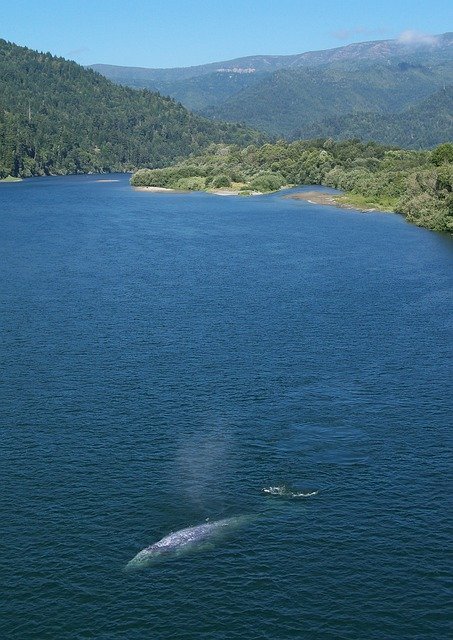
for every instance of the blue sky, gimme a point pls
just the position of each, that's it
(158, 33)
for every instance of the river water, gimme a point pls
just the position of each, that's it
(166, 357)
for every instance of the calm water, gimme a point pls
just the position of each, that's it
(164, 358)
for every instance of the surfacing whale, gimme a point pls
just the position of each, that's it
(184, 541)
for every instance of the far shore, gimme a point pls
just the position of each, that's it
(215, 192)
(10, 179)
(224, 192)
(333, 200)
(341, 201)
(158, 190)
(233, 192)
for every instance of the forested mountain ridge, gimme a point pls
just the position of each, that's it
(351, 90)
(57, 117)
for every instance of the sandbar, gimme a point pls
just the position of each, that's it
(158, 190)
(233, 192)
(322, 197)
(224, 192)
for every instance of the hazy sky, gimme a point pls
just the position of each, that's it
(168, 33)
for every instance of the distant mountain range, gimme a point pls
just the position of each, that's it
(308, 92)
(378, 50)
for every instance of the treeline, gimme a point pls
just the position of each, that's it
(418, 184)
(57, 118)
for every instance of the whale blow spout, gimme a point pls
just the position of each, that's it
(184, 541)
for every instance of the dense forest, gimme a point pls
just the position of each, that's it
(57, 117)
(423, 125)
(418, 184)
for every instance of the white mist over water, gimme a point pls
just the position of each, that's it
(204, 461)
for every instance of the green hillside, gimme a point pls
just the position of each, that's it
(209, 90)
(57, 117)
(423, 125)
(292, 100)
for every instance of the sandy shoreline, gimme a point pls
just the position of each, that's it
(158, 190)
(322, 197)
(314, 197)
(233, 192)
(224, 192)
(214, 192)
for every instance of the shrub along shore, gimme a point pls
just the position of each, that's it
(417, 184)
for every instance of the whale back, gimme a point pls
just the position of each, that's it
(178, 542)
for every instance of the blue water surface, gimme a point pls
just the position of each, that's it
(164, 358)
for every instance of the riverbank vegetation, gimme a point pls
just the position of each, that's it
(418, 184)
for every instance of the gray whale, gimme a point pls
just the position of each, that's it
(183, 541)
